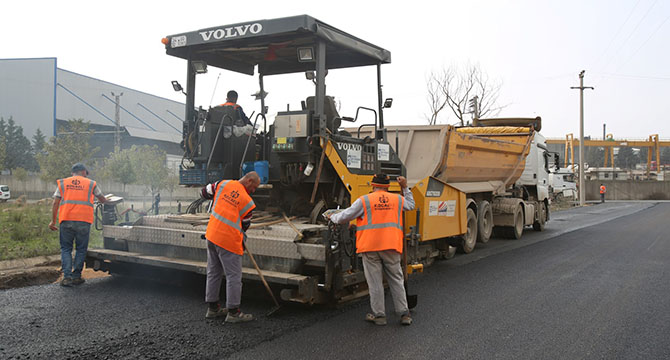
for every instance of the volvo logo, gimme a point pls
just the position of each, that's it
(347, 146)
(231, 32)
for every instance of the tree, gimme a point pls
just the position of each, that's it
(594, 156)
(18, 152)
(39, 141)
(665, 156)
(148, 163)
(465, 92)
(626, 158)
(70, 146)
(3, 152)
(119, 167)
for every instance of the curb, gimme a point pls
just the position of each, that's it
(29, 262)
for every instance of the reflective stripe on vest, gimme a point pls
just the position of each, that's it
(74, 206)
(224, 231)
(368, 212)
(383, 235)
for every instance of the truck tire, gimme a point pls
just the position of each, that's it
(484, 222)
(511, 232)
(469, 239)
(538, 225)
(516, 231)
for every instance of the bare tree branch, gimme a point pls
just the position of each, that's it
(455, 88)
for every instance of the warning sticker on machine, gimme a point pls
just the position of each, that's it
(383, 152)
(442, 208)
(354, 158)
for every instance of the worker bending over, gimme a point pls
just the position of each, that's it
(230, 218)
(379, 239)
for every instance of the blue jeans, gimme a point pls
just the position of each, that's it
(73, 232)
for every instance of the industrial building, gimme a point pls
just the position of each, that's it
(36, 93)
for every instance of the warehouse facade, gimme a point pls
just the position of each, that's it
(39, 95)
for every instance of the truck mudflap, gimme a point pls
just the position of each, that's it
(302, 289)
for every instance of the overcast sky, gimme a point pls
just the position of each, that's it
(537, 48)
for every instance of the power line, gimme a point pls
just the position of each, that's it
(643, 44)
(630, 35)
(639, 77)
(617, 33)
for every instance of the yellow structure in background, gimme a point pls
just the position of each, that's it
(653, 143)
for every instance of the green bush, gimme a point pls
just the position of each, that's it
(24, 232)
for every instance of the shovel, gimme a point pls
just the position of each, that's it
(412, 300)
(267, 287)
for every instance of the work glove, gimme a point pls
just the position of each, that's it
(328, 213)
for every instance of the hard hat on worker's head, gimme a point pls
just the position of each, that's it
(381, 180)
(79, 167)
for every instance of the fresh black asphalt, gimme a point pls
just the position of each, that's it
(594, 285)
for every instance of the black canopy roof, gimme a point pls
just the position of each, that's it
(272, 45)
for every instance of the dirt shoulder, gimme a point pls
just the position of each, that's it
(36, 271)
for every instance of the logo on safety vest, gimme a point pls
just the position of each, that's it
(383, 203)
(75, 182)
(235, 194)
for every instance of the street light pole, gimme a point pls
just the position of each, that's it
(117, 120)
(581, 88)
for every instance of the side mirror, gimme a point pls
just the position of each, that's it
(310, 75)
(557, 162)
(387, 103)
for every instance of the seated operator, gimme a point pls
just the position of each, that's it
(231, 100)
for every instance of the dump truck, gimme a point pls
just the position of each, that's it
(467, 182)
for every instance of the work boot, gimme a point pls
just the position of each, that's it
(406, 320)
(78, 281)
(238, 316)
(376, 319)
(66, 282)
(215, 311)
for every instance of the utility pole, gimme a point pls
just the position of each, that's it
(117, 121)
(581, 88)
(474, 110)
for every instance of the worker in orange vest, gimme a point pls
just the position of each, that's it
(73, 209)
(379, 240)
(603, 190)
(231, 100)
(230, 218)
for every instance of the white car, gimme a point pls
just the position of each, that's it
(4, 193)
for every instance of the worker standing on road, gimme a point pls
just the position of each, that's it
(603, 190)
(73, 209)
(230, 218)
(157, 200)
(379, 238)
(231, 100)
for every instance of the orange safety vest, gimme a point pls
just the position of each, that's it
(231, 204)
(76, 199)
(602, 189)
(230, 104)
(380, 227)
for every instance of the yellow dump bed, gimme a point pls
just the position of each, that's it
(493, 154)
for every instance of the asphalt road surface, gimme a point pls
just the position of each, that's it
(594, 285)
